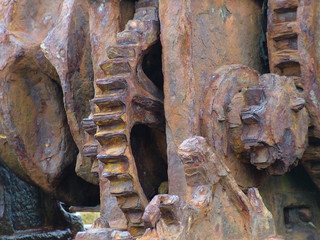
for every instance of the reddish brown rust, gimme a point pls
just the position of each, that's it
(162, 105)
(292, 44)
(123, 98)
(169, 217)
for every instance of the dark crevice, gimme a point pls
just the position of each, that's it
(263, 38)
(75, 191)
(152, 65)
(301, 179)
(313, 141)
(149, 150)
(300, 89)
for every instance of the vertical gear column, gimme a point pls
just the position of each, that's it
(283, 39)
(114, 110)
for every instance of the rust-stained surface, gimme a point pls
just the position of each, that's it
(293, 46)
(125, 97)
(68, 48)
(198, 37)
(167, 109)
(36, 139)
(215, 199)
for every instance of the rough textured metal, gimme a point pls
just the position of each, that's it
(125, 97)
(162, 105)
(292, 43)
(37, 140)
(214, 197)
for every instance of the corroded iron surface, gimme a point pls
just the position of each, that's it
(166, 108)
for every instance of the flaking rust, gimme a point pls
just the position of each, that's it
(293, 43)
(163, 107)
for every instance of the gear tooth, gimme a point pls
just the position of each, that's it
(129, 37)
(115, 167)
(119, 51)
(121, 185)
(112, 86)
(130, 202)
(113, 67)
